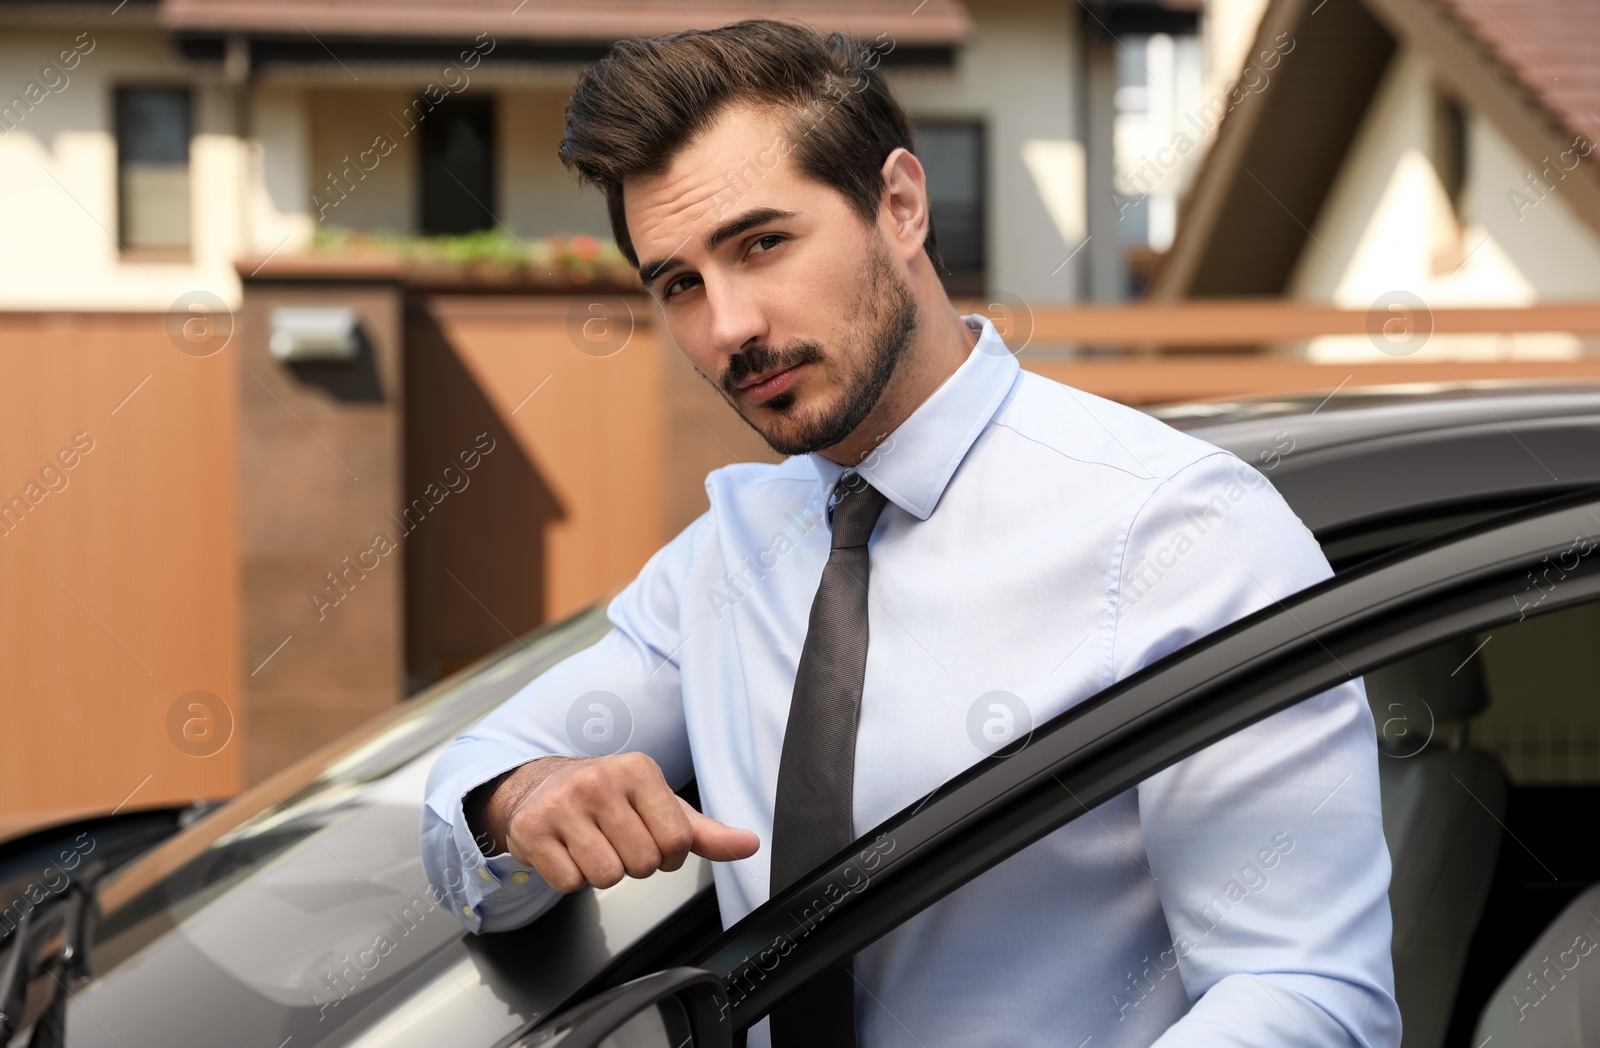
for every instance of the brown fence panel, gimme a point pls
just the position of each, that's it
(570, 505)
(321, 550)
(118, 567)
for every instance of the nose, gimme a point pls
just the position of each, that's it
(736, 318)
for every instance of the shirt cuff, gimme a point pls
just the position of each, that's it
(485, 893)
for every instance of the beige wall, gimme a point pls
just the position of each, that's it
(253, 195)
(58, 188)
(345, 122)
(1228, 29)
(538, 196)
(1017, 74)
(279, 177)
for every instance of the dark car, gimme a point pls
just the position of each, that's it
(1461, 524)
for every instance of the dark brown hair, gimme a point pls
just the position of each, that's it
(632, 111)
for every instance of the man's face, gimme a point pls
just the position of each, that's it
(770, 276)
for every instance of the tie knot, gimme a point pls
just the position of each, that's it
(856, 506)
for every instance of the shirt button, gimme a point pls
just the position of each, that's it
(467, 910)
(521, 876)
(485, 874)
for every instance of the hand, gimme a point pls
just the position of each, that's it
(592, 820)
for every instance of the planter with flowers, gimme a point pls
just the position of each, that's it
(488, 261)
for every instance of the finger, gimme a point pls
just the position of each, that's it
(549, 857)
(664, 818)
(718, 842)
(594, 855)
(629, 838)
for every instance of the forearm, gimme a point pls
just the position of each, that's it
(1276, 1010)
(629, 665)
(1266, 847)
(1269, 856)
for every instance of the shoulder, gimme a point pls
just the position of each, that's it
(1092, 430)
(743, 481)
(1180, 492)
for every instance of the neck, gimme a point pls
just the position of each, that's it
(933, 358)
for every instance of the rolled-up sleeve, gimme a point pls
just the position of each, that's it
(619, 694)
(1267, 847)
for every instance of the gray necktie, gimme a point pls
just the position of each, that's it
(811, 817)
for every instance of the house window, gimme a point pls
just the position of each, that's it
(153, 127)
(1450, 147)
(952, 155)
(1450, 153)
(458, 154)
(1160, 129)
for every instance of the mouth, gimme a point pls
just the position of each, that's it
(759, 388)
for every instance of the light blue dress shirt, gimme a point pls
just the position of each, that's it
(1039, 544)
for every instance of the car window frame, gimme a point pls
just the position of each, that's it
(1379, 611)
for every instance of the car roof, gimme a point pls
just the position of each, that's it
(1385, 409)
(1353, 457)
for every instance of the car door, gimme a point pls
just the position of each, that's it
(1418, 599)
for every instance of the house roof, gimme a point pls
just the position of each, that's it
(1521, 65)
(932, 23)
(1547, 48)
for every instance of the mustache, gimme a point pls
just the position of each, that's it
(759, 358)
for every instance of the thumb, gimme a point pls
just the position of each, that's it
(718, 842)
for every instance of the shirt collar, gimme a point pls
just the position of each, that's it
(915, 462)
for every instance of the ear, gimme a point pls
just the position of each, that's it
(904, 216)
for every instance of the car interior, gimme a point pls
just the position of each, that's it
(1490, 770)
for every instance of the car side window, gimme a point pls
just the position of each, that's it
(1490, 750)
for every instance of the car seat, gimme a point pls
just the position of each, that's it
(1443, 804)
(1551, 996)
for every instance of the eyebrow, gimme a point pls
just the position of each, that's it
(650, 272)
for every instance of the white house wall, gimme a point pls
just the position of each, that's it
(58, 185)
(280, 179)
(1018, 74)
(1387, 226)
(1227, 31)
(58, 211)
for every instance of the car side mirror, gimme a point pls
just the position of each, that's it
(676, 1008)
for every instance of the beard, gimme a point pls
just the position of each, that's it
(890, 312)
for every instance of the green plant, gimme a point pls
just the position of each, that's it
(577, 258)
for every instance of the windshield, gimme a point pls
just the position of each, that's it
(289, 908)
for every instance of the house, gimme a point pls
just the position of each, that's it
(145, 145)
(1404, 156)
(237, 568)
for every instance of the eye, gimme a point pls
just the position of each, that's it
(772, 239)
(673, 286)
(760, 246)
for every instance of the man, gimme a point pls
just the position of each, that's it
(955, 549)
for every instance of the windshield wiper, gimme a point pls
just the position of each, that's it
(14, 978)
(72, 911)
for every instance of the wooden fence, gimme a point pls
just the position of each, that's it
(146, 588)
